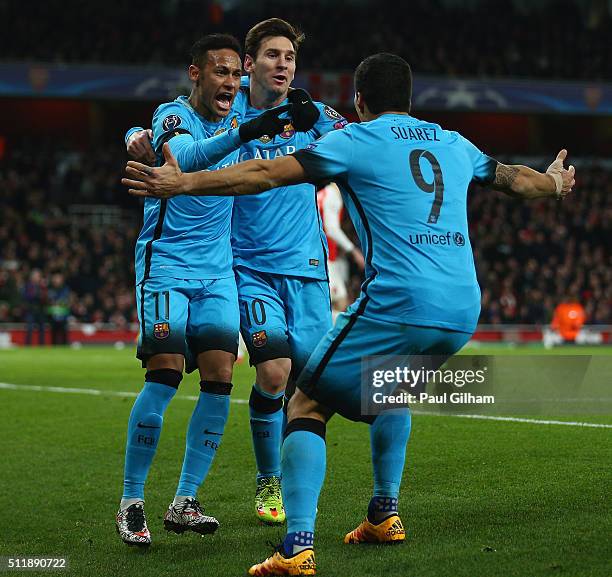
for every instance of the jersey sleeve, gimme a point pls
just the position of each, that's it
(173, 126)
(483, 166)
(329, 120)
(132, 131)
(328, 157)
(169, 120)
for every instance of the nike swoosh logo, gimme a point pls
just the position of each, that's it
(143, 426)
(207, 432)
(305, 102)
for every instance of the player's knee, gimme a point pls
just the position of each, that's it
(216, 366)
(221, 373)
(303, 407)
(272, 375)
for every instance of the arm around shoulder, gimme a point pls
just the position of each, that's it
(251, 177)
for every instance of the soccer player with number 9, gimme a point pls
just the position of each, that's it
(404, 182)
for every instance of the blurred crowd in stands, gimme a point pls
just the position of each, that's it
(58, 266)
(545, 39)
(532, 256)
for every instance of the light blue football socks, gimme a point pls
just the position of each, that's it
(303, 462)
(144, 430)
(266, 415)
(389, 435)
(204, 435)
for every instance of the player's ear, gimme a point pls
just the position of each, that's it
(194, 73)
(359, 103)
(249, 63)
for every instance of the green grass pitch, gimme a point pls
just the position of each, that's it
(479, 499)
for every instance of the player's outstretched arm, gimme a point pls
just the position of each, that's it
(249, 177)
(524, 182)
(200, 154)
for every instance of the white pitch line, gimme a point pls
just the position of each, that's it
(516, 420)
(99, 392)
(95, 392)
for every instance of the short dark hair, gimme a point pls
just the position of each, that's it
(271, 27)
(213, 42)
(385, 82)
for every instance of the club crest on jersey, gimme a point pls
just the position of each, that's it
(288, 131)
(331, 113)
(259, 339)
(171, 122)
(161, 330)
(222, 129)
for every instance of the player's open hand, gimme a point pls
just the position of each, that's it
(139, 146)
(564, 177)
(162, 182)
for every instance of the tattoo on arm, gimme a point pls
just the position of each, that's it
(505, 176)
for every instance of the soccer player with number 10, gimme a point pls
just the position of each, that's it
(401, 179)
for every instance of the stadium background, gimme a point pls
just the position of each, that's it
(520, 87)
(516, 496)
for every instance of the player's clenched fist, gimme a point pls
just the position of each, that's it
(139, 146)
(304, 113)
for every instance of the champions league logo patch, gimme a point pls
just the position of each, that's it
(171, 122)
(161, 330)
(331, 113)
(260, 338)
(288, 131)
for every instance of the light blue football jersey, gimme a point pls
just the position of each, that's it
(186, 237)
(280, 231)
(404, 183)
